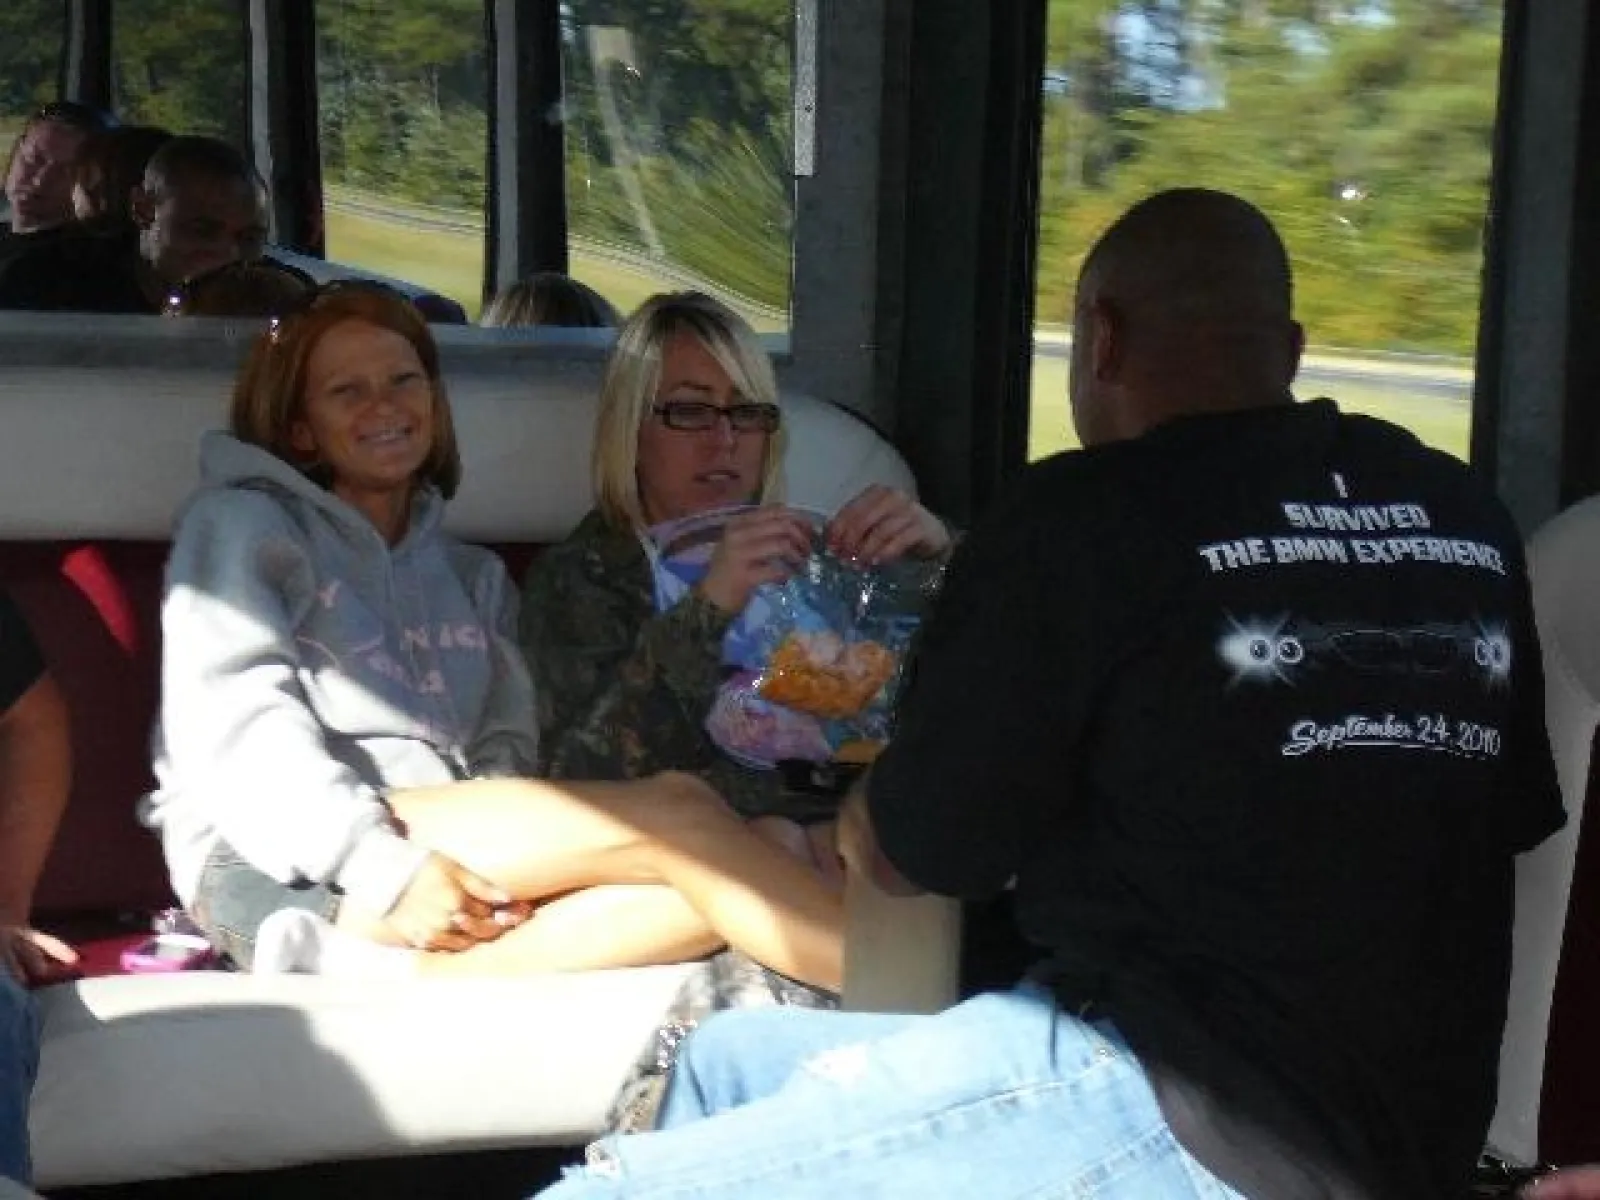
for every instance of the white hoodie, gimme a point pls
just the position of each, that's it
(308, 668)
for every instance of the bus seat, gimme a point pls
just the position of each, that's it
(153, 1077)
(1549, 1103)
(435, 308)
(93, 608)
(162, 1077)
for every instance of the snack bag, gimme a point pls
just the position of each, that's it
(760, 733)
(813, 661)
(752, 730)
(835, 641)
(680, 555)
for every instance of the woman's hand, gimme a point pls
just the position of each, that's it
(761, 546)
(882, 524)
(447, 907)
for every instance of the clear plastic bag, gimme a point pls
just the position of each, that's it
(814, 661)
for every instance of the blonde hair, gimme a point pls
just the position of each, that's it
(270, 392)
(633, 375)
(550, 298)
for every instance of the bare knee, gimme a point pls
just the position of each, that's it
(684, 802)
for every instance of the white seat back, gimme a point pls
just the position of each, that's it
(112, 454)
(1564, 558)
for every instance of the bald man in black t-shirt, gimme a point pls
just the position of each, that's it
(1245, 702)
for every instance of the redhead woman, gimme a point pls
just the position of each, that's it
(689, 421)
(345, 715)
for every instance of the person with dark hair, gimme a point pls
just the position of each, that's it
(109, 170)
(39, 174)
(550, 298)
(1245, 701)
(35, 777)
(259, 288)
(199, 206)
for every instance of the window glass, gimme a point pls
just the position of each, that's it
(403, 106)
(679, 148)
(32, 41)
(1363, 128)
(182, 65)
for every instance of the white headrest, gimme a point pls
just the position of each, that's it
(99, 453)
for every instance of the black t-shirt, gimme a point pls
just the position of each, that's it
(13, 245)
(76, 272)
(21, 664)
(1251, 708)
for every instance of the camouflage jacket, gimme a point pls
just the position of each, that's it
(622, 690)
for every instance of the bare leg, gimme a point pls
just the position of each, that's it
(537, 839)
(614, 925)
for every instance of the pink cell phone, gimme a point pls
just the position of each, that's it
(167, 952)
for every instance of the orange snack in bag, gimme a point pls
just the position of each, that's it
(822, 674)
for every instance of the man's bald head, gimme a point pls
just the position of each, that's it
(1184, 305)
(201, 206)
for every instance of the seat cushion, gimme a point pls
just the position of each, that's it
(151, 1077)
(1549, 1106)
(94, 608)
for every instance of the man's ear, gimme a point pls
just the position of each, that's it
(1297, 346)
(1108, 337)
(142, 206)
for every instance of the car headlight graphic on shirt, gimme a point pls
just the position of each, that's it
(1282, 649)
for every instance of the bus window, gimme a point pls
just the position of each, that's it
(680, 150)
(181, 64)
(403, 90)
(1363, 130)
(33, 37)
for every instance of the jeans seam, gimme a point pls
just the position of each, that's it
(613, 1163)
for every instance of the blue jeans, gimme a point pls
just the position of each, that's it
(1003, 1096)
(233, 898)
(19, 1063)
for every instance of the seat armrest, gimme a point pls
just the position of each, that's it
(902, 954)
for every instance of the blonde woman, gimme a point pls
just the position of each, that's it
(550, 298)
(689, 421)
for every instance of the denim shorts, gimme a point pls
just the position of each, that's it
(233, 898)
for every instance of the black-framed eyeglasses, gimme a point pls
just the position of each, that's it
(697, 416)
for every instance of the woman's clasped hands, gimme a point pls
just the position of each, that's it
(769, 543)
(447, 907)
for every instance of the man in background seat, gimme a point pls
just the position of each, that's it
(1246, 699)
(35, 776)
(40, 173)
(200, 207)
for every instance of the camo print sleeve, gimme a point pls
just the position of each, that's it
(622, 690)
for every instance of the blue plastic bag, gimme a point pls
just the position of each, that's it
(814, 661)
